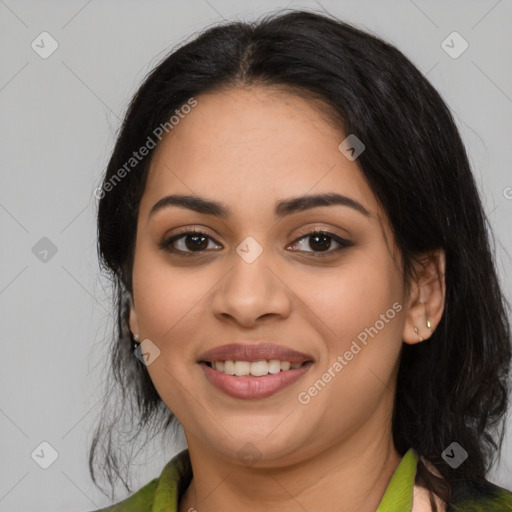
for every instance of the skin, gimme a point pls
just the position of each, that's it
(249, 148)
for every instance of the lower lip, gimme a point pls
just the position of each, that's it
(253, 387)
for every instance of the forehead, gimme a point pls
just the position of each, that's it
(257, 144)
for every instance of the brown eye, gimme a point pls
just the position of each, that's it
(193, 242)
(321, 242)
(187, 243)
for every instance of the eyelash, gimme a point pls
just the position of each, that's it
(166, 244)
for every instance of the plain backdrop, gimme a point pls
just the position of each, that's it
(59, 117)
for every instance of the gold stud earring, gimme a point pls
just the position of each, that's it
(136, 343)
(416, 331)
(429, 325)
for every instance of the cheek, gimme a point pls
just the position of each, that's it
(168, 299)
(359, 310)
(354, 379)
(354, 298)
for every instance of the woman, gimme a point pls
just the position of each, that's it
(303, 273)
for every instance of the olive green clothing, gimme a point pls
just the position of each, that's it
(162, 494)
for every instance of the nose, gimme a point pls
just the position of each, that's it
(251, 291)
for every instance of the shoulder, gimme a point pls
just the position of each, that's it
(164, 490)
(141, 501)
(481, 497)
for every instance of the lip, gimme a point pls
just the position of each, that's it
(250, 387)
(253, 352)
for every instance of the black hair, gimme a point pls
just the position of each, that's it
(454, 387)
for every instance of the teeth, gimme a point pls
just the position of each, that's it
(229, 367)
(242, 368)
(255, 368)
(259, 368)
(274, 366)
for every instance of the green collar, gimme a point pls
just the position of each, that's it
(173, 483)
(399, 492)
(177, 474)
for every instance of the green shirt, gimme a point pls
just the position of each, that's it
(162, 494)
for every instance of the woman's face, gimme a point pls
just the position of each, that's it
(332, 303)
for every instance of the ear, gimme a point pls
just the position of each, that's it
(133, 321)
(425, 303)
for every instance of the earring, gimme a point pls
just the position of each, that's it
(429, 325)
(416, 331)
(136, 343)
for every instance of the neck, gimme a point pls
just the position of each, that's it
(347, 477)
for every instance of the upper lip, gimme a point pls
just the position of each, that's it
(254, 352)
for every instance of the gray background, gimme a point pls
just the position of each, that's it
(58, 123)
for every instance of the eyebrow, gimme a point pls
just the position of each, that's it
(283, 208)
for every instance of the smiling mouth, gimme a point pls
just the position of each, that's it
(254, 368)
